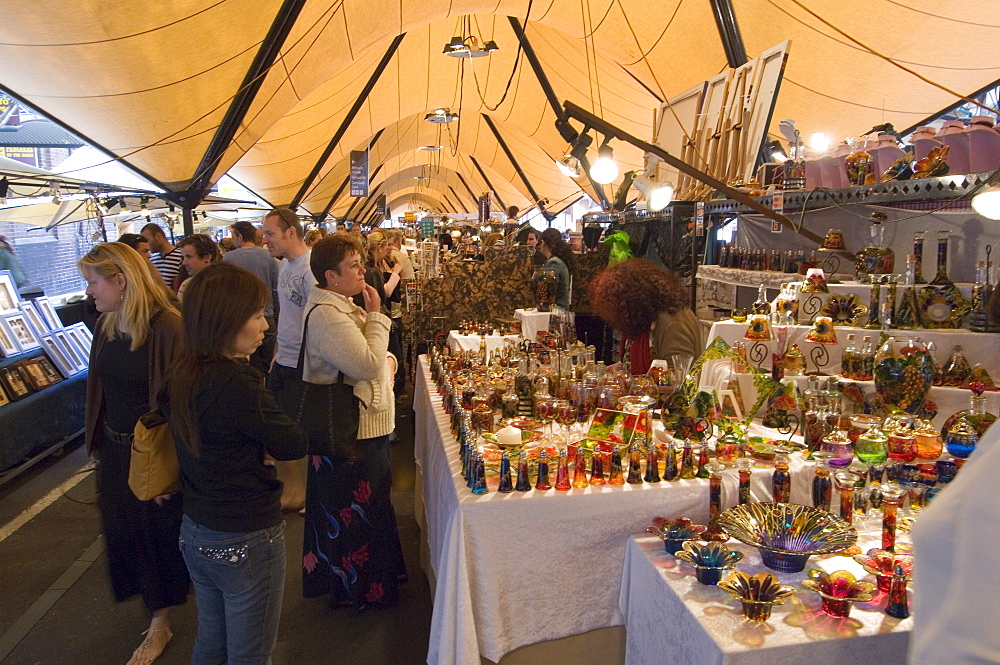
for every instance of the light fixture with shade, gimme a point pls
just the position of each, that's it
(604, 170)
(466, 44)
(430, 148)
(819, 142)
(774, 152)
(987, 202)
(569, 165)
(441, 116)
(658, 195)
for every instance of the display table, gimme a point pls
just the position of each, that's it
(517, 569)
(532, 322)
(706, 625)
(460, 342)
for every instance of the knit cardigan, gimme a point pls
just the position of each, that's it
(341, 339)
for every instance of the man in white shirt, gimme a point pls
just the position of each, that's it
(283, 236)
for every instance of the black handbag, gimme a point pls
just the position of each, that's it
(329, 414)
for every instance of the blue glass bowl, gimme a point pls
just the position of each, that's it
(787, 534)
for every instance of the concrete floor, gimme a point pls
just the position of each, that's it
(56, 605)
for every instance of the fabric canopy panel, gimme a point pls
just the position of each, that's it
(155, 92)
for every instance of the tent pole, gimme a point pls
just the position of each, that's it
(487, 181)
(729, 32)
(517, 167)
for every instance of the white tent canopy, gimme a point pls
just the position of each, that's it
(170, 87)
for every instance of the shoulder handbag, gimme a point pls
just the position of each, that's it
(153, 467)
(329, 414)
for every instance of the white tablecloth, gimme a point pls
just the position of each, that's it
(526, 567)
(706, 625)
(532, 321)
(981, 348)
(459, 342)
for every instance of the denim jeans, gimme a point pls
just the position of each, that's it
(239, 580)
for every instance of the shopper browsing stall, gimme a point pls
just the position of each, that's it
(198, 251)
(129, 360)
(559, 260)
(228, 428)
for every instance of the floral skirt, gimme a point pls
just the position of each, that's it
(351, 547)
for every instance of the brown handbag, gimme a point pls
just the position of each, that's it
(153, 467)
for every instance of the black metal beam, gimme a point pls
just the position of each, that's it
(268, 52)
(369, 86)
(487, 181)
(459, 198)
(568, 205)
(609, 130)
(187, 220)
(729, 32)
(517, 168)
(86, 138)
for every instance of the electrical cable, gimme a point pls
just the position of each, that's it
(510, 79)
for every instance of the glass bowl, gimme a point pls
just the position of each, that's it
(787, 534)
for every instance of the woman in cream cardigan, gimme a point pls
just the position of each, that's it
(351, 549)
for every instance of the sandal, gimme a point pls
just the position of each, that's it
(140, 655)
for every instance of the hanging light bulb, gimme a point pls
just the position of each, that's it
(987, 202)
(658, 196)
(604, 170)
(819, 142)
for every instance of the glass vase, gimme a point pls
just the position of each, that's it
(903, 372)
(876, 258)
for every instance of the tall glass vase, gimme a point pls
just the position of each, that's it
(876, 258)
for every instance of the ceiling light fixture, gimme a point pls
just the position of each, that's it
(604, 170)
(467, 45)
(432, 148)
(441, 116)
(569, 165)
(658, 196)
(987, 202)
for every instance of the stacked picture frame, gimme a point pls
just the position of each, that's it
(29, 325)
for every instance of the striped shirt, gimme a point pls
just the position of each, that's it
(168, 264)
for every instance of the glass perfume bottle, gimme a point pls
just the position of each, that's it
(892, 497)
(523, 484)
(652, 464)
(744, 465)
(671, 471)
(847, 358)
(703, 458)
(902, 444)
(867, 359)
(957, 372)
(542, 482)
(908, 311)
(715, 490)
(597, 468)
(961, 439)
(822, 486)
(781, 479)
(479, 476)
(634, 465)
(794, 361)
(761, 305)
(687, 470)
(897, 605)
(846, 484)
(981, 291)
(876, 258)
(815, 426)
(976, 415)
(506, 483)
(918, 256)
(615, 475)
(580, 467)
(875, 297)
(941, 277)
(562, 471)
(838, 444)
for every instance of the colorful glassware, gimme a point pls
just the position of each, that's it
(822, 331)
(903, 372)
(709, 560)
(876, 258)
(757, 593)
(781, 479)
(882, 564)
(892, 497)
(674, 532)
(839, 590)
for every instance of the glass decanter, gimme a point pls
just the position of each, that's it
(847, 358)
(838, 444)
(876, 258)
(908, 311)
(761, 305)
(961, 439)
(976, 415)
(979, 320)
(941, 276)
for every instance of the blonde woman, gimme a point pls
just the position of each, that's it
(132, 351)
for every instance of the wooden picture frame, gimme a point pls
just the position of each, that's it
(39, 325)
(34, 374)
(9, 297)
(49, 312)
(50, 370)
(58, 356)
(15, 383)
(4, 399)
(18, 328)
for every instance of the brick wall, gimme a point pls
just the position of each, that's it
(49, 257)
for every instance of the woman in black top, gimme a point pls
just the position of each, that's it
(229, 430)
(132, 350)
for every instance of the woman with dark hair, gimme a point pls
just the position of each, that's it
(198, 251)
(351, 550)
(559, 259)
(646, 304)
(133, 347)
(229, 430)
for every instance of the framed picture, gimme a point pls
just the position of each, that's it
(58, 356)
(72, 355)
(50, 371)
(80, 346)
(8, 345)
(36, 320)
(3, 396)
(32, 371)
(17, 326)
(15, 383)
(85, 335)
(46, 309)
(8, 293)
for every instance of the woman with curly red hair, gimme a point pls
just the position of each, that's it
(646, 304)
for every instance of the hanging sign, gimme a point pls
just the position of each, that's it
(484, 208)
(380, 207)
(359, 173)
(427, 227)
